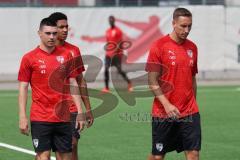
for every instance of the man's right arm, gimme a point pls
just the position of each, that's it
(170, 109)
(22, 103)
(85, 98)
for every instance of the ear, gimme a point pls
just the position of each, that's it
(39, 33)
(173, 22)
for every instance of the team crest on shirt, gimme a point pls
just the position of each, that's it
(159, 146)
(35, 142)
(60, 59)
(190, 53)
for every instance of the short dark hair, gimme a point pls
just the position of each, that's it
(111, 16)
(47, 22)
(56, 16)
(181, 12)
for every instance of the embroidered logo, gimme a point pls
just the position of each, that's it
(190, 53)
(35, 142)
(159, 146)
(60, 59)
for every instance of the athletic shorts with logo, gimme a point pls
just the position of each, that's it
(180, 135)
(51, 136)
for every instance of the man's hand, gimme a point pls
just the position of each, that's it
(172, 111)
(80, 122)
(89, 118)
(23, 125)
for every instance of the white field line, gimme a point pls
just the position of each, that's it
(20, 149)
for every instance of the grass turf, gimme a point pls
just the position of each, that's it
(125, 133)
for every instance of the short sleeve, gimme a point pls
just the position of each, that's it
(154, 59)
(77, 66)
(79, 62)
(25, 70)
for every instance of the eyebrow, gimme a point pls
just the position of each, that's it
(63, 26)
(50, 33)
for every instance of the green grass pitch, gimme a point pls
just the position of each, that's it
(116, 136)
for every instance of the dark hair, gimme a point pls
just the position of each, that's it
(56, 16)
(181, 12)
(47, 22)
(111, 16)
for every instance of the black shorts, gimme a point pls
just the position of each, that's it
(75, 132)
(51, 136)
(180, 135)
(113, 61)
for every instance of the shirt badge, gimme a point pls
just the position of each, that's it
(190, 53)
(60, 59)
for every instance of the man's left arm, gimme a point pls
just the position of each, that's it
(194, 84)
(85, 98)
(195, 71)
(80, 119)
(82, 85)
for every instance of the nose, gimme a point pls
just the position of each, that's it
(65, 29)
(52, 36)
(187, 29)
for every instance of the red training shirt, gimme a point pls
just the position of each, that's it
(180, 63)
(74, 50)
(47, 74)
(113, 38)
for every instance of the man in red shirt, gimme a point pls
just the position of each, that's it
(175, 114)
(114, 55)
(44, 67)
(62, 25)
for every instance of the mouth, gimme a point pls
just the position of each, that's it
(51, 42)
(184, 35)
(64, 33)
